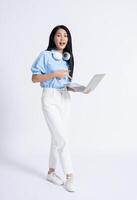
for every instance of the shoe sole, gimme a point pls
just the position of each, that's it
(54, 182)
(68, 190)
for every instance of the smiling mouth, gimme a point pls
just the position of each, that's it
(62, 43)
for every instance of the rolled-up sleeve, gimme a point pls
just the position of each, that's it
(39, 66)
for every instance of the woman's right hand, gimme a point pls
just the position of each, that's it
(61, 74)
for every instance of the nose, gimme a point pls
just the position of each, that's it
(62, 37)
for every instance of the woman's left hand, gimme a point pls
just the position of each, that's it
(70, 89)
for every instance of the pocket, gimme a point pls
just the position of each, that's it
(44, 98)
(68, 95)
(47, 97)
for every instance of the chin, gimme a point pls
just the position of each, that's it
(61, 48)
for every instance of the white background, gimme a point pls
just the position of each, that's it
(103, 123)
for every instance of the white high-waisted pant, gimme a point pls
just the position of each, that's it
(56, 109)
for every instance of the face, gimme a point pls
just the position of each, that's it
(61, 39)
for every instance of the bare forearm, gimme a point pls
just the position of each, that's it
(42, 77)
(45, 77)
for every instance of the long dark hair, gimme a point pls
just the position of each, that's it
(68, 47)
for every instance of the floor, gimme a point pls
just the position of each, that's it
(102, 177)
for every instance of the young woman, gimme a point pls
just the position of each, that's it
(53, 68)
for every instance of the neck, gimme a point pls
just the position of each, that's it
(61, 51)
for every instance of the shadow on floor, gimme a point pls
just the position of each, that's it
(17, 165)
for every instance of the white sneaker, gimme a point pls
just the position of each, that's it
(54, 178)
(69, 184)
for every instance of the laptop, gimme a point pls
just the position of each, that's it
(94, 81)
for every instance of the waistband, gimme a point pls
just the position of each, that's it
(56, 89)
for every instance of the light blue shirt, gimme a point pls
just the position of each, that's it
(45, 63)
